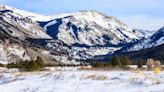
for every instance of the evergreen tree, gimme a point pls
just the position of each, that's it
(28, 65)
(115, 62)
(12, 65)
(125, 62)
(33, 66)
(139, 64)
(40, 62)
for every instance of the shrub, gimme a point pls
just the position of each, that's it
(100, 64)
(1, 65)
(150, 63)
(12, 65)
(157, 64)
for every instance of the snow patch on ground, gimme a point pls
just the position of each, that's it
(82, 81)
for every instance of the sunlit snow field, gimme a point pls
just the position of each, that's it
(82, 81)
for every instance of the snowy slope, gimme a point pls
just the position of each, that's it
(82, 81)
(90, 33)
(76, 26)
(89, 28)
(84, 33)
(145, 33)
(154, 40)
(12, 53)
(21, 13)
(19, 25)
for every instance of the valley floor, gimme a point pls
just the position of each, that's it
(82, 81)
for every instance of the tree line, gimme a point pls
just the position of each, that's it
(117, 62)
(26, 65)
(121, 62)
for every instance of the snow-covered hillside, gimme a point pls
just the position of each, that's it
(20, 13)
(90, 33)
(82, 81)
(83, 34)
(145, 33)
(12, 53)
(89, 28)
(84, 27)
(18, 25)
(154, 40)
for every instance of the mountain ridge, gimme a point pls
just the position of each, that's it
(156, 39)
(83, 34)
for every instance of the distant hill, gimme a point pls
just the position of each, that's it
(153, 52)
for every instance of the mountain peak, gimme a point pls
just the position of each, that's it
(5, 7)
(92, 12)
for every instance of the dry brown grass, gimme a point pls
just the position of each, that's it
(95, 77)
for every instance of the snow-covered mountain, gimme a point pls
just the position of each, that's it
(18, 25)
(84, 27)
(15, 27)
(20, 13)
(145, 33)
(82, 34)
(156, 39)
(89, 28)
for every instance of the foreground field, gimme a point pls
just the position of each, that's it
(82, 81)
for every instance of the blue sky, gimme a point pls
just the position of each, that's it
(144, 14)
